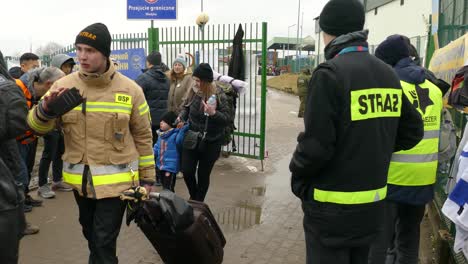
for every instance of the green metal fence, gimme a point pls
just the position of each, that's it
(452, 24)
(213, 44)
(119, 42)
(453, 20)
(292, 64)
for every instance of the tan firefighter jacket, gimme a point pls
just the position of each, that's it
(110, 132)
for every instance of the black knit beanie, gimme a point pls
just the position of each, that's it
(97, 36)
(392, 49)
(341, 17)
(170, 118)
(204, 72)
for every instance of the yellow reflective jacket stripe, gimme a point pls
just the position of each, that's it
(39, 128)
(76, 179)
(146, 160)
(359, 197)
(418, 166)
(101, 175)
(143, 108)
(375, 103)
(108, 107)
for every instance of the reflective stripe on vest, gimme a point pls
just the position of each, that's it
(101, 175)
(375, 103)
(418, 166)
(359, 197)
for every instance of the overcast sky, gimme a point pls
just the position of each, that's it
(38, 22)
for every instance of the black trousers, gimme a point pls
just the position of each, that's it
(399, 241)
(168, 182)
(53, 150)
(30, 161)
(101, 221)
(198, 180)
(154, 132)
(317, 253)
(12, 224)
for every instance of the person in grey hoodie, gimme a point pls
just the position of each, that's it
(155, 85)
(64, 62)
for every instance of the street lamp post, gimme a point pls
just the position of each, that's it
(297, 35)
(288, 36)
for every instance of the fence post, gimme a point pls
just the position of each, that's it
(45, 60)
(264, 90)
(153, 39)
(418, 43)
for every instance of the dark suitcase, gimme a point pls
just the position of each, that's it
(200, 241)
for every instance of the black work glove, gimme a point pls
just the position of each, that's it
(62, 103)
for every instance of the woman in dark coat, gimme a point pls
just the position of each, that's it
(196, 111)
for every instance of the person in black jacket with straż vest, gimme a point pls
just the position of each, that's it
(356, 117)
(13, 112)
(155, 85)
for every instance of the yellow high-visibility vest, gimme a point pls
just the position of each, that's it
(418, 166)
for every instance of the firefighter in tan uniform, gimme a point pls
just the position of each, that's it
(108, 143)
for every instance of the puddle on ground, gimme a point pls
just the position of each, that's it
(243, 216)
(239, 218)
(258, 191)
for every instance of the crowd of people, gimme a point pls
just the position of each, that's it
(364, 168)
(103, 133)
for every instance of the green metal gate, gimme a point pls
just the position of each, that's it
(213, 44)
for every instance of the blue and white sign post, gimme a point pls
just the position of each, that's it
(152, 9)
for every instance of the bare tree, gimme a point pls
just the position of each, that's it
(48, 48)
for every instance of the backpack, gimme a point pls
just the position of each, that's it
(231, 96)
(447, 137)
(458, 97)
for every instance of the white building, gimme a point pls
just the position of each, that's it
(388, 17)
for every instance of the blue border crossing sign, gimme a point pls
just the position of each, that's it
(151, 9)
